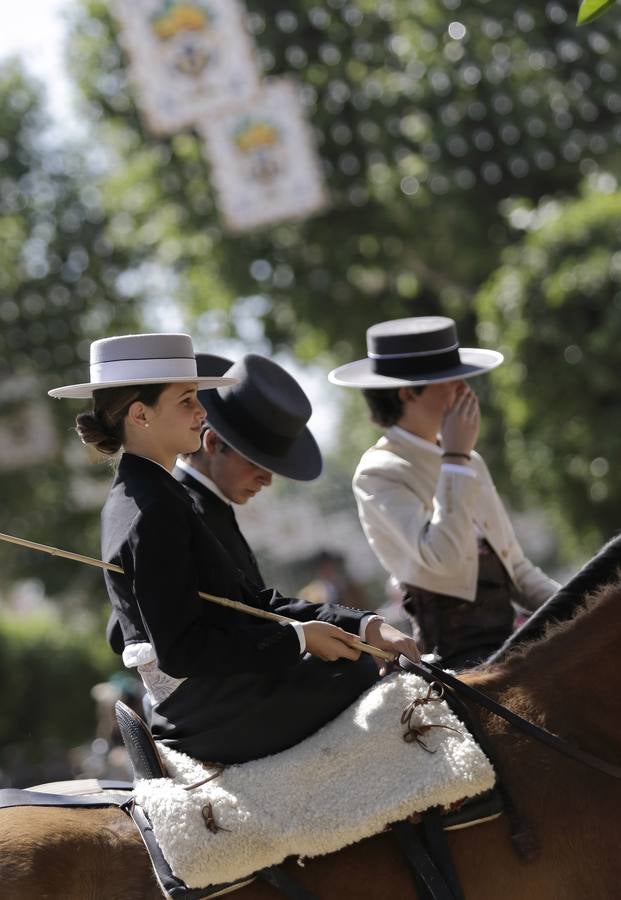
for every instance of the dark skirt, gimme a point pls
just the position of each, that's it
(463, 633)
(237, 718)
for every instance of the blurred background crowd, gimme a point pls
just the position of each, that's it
(468, 152)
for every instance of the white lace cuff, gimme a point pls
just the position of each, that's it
(138, 655)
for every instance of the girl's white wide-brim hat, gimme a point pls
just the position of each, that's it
(135, 359)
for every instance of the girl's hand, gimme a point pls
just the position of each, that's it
(389, 638)
(460, 429)
(329, 642)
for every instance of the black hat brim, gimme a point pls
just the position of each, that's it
(360, 374)
(208, 364)
(301, 462)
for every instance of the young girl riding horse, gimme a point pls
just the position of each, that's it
(226, 687)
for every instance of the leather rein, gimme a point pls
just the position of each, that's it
(431, 673)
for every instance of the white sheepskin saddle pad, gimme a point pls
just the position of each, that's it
(346, 782)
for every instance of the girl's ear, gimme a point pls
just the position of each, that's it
(137, 414)
(406, 393)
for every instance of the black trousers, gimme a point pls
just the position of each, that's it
(237, 718)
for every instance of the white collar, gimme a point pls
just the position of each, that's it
(203, 479)
(401, 434)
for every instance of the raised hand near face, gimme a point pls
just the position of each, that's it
(460, 429)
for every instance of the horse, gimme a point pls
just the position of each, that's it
(568, 681)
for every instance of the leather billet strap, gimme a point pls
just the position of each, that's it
(279, 879)
(431, 672)
(437, 846)
(11, 797)
(430, 882)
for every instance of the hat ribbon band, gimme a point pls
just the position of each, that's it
(372, 355)
(135, 369)
(254, 431)
(406, 364)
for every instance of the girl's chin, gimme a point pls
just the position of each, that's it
(193, 445)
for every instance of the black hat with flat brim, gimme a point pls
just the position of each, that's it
(208, 365)
(415, 351)
(264, 418)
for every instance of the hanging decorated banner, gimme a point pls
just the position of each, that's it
(264, 165)
(186, 56)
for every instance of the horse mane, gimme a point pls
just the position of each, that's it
(604, 567)
(594, 621)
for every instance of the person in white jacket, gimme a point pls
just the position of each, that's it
(426, 500)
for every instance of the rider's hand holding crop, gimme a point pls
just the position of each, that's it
(329, 642)
(387, 637)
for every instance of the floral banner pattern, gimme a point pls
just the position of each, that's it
(186, 57)
(194, 65)
(264, 165)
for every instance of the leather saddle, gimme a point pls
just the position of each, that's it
(147, 763)
(433, 875)
(426, 862)
(141, 748)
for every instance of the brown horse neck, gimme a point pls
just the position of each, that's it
(569, 680)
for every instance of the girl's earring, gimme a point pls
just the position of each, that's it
(146, 424)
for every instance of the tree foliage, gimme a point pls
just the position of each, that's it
(593, 9)
(427, 116)
(60, 286)
(50, 667)
(554, 308)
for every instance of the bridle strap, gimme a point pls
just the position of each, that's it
(431, 672)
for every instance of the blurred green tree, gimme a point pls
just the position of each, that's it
(61, 284)
(427, 117)
(554, 309)
(50, 666)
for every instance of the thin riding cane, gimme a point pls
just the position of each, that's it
(212, 598)
(426, 670)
